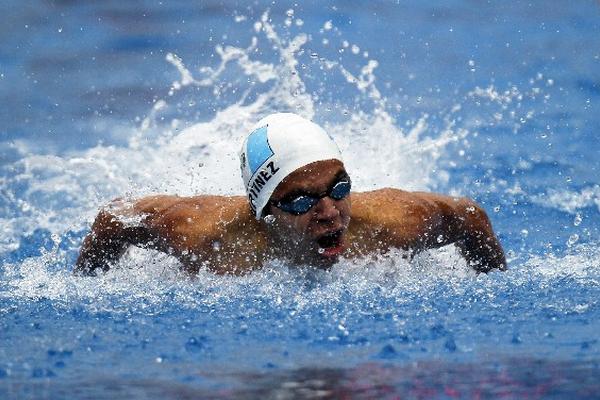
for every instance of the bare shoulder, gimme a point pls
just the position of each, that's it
(220, 231)
(401, 218)
(393, 203)
(197, 211)
(389, 204)
(164, 203)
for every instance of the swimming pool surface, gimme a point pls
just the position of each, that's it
(499, 101)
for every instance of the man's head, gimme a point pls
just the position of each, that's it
(311, 212)
(293, 171)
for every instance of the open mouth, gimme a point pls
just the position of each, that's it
(330, 244)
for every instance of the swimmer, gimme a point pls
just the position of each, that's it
(299, 208)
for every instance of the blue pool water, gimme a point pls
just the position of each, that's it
(499, 101)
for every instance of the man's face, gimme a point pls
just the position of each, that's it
(316, 237)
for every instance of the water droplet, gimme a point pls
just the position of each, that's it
(55, 238)
(25, 207)
(269, 219)
(572, 239)
(578, 219)
(321, 250)
(216, 245)
(497, 209)
(440, 238)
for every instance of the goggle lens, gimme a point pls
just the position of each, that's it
(340, 190)
(302, 204)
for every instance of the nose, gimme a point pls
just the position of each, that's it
(326, 210)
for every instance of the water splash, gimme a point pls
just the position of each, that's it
(59, 196)
(63, 193)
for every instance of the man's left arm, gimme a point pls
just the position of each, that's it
(466, 224)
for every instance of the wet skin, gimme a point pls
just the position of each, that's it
(221, 234)
(301, 233)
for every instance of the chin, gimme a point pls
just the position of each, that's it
(322, 251)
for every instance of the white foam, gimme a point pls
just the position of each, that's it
(570, 201)
(149, 280)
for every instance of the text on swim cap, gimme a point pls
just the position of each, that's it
(259, 180)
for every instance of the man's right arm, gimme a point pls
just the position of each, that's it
(116, 227)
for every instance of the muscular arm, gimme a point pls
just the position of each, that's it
(116, 227)
(466, 224)
(418, 221)
(216, 231)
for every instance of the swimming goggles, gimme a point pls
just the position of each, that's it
(301, 204)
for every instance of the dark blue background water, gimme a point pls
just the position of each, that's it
(520, 79)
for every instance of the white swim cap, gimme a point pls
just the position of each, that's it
(278, 145)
